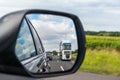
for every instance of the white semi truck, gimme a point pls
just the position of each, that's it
(65, 50)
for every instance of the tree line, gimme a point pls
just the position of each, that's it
(103, 33)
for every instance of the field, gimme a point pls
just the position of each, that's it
(103, 42)
(102, 56)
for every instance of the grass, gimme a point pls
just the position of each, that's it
(102, 55)
(103, 42)
(102, 61)
(74, 56)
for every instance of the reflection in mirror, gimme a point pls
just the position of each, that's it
(24, 45)
(56, 45)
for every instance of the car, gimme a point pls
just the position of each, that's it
(49, 56)
(30, 57)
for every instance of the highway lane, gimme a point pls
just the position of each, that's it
(84, 76)
(57, 64)
(76, 76)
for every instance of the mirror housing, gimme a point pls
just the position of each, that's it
(9, 29)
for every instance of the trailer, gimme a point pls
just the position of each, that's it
(65, 50)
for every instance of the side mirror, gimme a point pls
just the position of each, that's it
(41, 43)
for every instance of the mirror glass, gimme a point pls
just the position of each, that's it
(55, 43)
(24, 44)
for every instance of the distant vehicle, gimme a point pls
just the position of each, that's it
(49, 56)
(65, 50)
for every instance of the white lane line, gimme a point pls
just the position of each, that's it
(73, 62)
(48, 65)
(62, 68)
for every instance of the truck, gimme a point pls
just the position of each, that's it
(65, 50)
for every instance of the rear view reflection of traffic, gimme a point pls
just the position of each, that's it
(61, 60)
(56, 49)
(57, 64)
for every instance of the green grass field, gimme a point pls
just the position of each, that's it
(102, 56)
(103, 42)
(74, 56)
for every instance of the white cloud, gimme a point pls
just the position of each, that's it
(52, 32)
(99, 13)
(113, 11)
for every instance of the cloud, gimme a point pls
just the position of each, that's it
(54, 29)
(113, 11)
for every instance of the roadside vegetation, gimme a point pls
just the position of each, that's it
(103, 33)
(74, 56)
(102, 56)
(103, 42)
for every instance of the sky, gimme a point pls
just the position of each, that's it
(95, 15)
(53, 29)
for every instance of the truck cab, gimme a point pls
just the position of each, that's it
(65, 50)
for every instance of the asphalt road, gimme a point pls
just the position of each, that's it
(59, 65)
(76, 76)
(84, 76)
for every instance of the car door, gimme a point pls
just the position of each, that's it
(34, 61)
(42, 63)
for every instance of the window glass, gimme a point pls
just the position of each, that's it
(24, 45)
(37, 41)
(67, 46)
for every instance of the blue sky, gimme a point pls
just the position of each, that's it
(95, 15)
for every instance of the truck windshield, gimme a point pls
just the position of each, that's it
(67, 46)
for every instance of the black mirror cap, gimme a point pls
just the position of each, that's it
(9, 28)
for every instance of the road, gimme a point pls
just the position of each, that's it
(84, 76)
(76, 76)
(58, 65)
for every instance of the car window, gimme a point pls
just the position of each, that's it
(39, 47)
(24, 45)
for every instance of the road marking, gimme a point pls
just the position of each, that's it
(73, 62)
(48, 64)
(62, 68)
